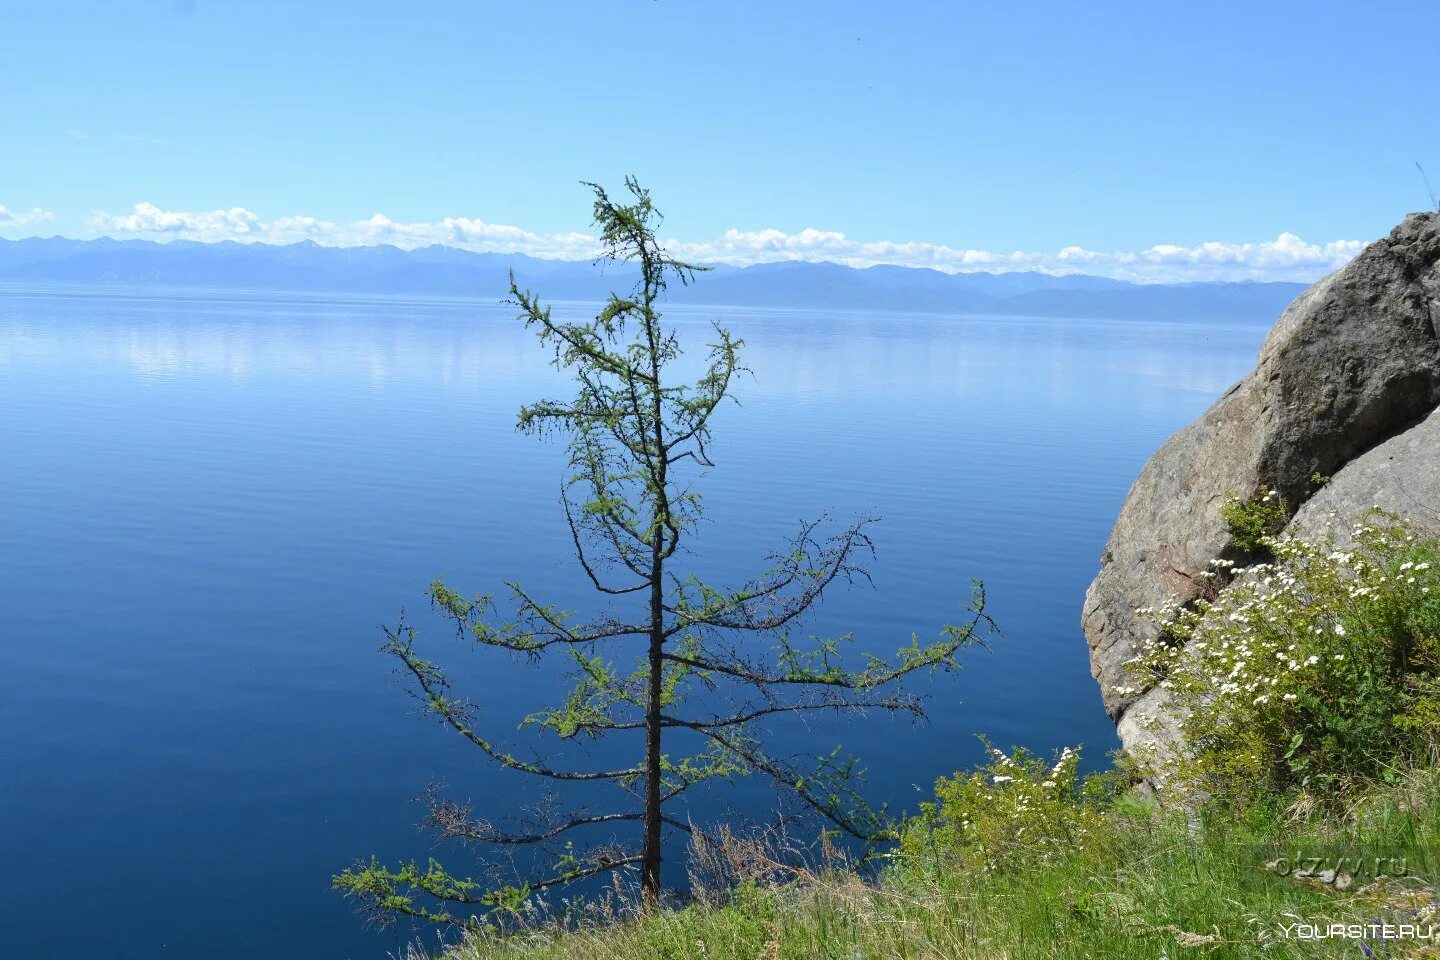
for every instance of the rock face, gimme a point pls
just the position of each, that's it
(1344, 378)
(1401, 476)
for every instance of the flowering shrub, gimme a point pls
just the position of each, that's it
(1313, 672)
(1016, 809)
(1251, 522)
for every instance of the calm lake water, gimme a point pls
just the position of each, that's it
(211, 502)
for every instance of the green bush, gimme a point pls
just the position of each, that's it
(1251, 522)
(1016, 810)
(1313, 673)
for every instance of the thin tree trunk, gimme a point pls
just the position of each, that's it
(650, 884)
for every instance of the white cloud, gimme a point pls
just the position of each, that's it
(1285, 258)
(466, 233)
(237, 223)
(23, 218)
(240, 224)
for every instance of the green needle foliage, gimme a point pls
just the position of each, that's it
(710, 665)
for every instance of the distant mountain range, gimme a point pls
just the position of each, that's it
(308, 267)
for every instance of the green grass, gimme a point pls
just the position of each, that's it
(1147, 885)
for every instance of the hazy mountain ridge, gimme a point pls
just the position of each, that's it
(447, 271)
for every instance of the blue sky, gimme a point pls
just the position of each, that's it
(919, 131)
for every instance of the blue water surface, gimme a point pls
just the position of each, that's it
(209, 504)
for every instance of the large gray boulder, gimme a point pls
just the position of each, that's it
(1401, 476)
(1353, 363)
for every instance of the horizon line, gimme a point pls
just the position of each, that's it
(1287, 258)
(791, 259)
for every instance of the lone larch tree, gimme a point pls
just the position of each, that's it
(636, 440)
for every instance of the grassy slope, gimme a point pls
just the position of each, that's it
(1145, 887)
